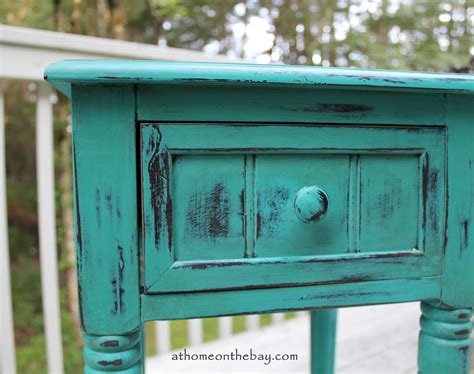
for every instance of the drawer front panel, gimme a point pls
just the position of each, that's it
(374, 204)
(206, 206)
(279, 231)
(390, 202)
(231, 206)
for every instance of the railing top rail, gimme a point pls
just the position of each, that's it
(26, 52)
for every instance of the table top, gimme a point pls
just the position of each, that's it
(65, 73)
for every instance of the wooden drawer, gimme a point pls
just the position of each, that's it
(220, 206)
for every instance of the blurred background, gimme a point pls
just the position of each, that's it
(418, 35)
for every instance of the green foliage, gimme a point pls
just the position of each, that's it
(238, 324)
(265, 320)
(169, 8)
(27, 13)
(179, 334)
(72, 342)
(28, 316)
(418, 35)
(209, 327)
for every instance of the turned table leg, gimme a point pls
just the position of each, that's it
(114, 353)
(444, 341)
(106, 228)
(323, 341)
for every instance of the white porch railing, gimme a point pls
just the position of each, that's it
(24, 54)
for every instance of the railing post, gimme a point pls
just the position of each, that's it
(194, 331)
(224, 327)
(278, 317)
(47, 228)
(7, 338)
(252, 322)
(162, 336)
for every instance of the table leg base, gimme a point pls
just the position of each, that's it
(114, 353)
(444, 340)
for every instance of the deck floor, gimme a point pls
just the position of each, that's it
(374, 339)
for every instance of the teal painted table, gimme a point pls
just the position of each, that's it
(218, 189)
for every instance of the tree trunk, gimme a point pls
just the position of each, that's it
(58, 20)
(76, 16)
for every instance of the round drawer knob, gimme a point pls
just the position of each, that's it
(311, 204)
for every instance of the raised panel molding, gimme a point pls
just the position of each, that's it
(227, 210)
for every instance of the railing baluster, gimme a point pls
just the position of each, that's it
(224, 325)
(7, 338)
(162, 336)
(195, 331)
(278, 317)
(47, 228)
(252, 322)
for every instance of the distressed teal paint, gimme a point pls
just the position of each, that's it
(106, 208)
(219, 232)
(181, 305)
(459, 256)
(288, 105)
(203, 163)
(184, 73)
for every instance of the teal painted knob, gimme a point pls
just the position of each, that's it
(311, 204)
